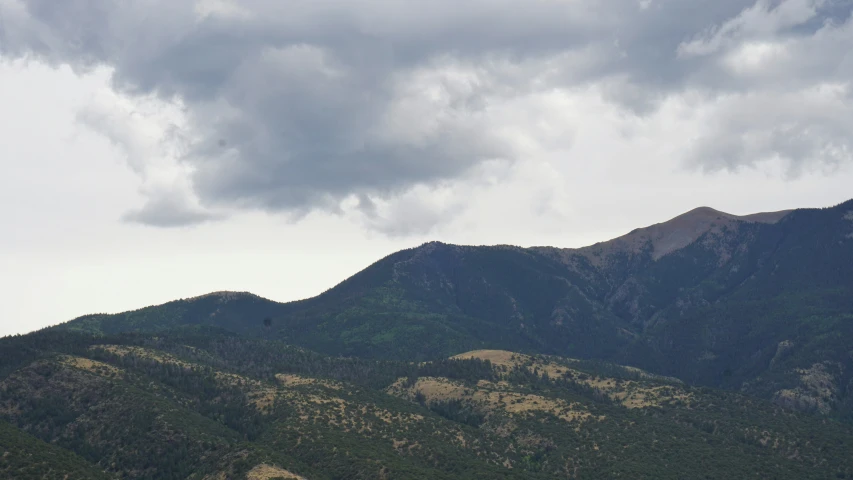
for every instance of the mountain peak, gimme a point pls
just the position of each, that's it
(676, 233)
(708, 213)
(704, 211)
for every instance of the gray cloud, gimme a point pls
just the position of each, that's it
(800, 128)
(166, 209)
(296, 106)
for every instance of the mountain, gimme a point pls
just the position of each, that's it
(203, 403)
(448, 361)
(760, 304)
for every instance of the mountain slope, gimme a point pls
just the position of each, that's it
(24, 457)
(759, 303)
(201, 403)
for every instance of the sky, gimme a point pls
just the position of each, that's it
(162, 149)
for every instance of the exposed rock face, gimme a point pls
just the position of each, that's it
(818, 389)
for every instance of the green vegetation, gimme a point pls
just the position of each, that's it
(747, 306)
(203, 403)
(744, 337)
(24, 457)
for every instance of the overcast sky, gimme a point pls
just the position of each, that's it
(160, 149)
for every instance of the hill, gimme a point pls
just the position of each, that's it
(24, 457)
(761, 304)
(203, 403)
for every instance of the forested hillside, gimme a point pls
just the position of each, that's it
(448, 361)
(204, 403)
(761, 304)
(24, 457)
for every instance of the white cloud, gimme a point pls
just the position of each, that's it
(755, 58)
(800, 128)
(149, 133)
(227, 9)
(764, 19)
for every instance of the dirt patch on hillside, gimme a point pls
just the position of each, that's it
(488, 397)
(144, 353)
(292, 380)
(94, 366)
(267, 472)
(630, 393)
(497, 357)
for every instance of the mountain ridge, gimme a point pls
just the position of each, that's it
(711, 302)
(728, 357)
(760, 217)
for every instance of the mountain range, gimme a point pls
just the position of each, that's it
(448, 361)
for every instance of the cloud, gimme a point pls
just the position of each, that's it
(764, 19)
(417, 212)
(363, 106)
(801, 128)
(169, 208)
(147, 136)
